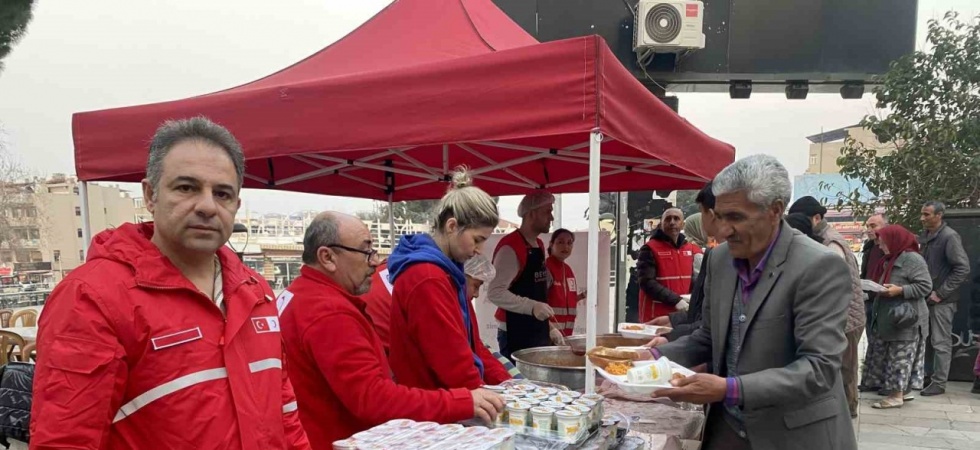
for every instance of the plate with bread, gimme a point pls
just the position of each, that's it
(632, 375)
(640, 330)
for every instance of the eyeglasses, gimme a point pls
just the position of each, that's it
(371, 254)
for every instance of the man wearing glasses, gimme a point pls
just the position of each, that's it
(338, 366)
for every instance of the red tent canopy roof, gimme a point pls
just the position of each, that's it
(420, 88)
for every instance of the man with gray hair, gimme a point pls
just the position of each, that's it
(949, 266)
(164, 338)
(773, 326)
(665, 268)
(520, 289)
(344, 384)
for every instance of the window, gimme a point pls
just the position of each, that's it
(74, 190)
(813, 160)
(57, 256)
(81, 255)
(7, 256)
(79, 232)
(36, 256)
(78, 211)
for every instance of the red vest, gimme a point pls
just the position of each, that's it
(675, 267)
(515, 241)
(563, 294)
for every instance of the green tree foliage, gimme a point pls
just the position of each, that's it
(931, 101)
(415, 211)
(14, 17)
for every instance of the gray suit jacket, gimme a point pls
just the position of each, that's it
(792, 342)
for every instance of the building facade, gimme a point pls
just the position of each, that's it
(826, 147)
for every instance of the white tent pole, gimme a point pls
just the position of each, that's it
(391, 221)
(86, 227)
(595, 144)
(557, 212)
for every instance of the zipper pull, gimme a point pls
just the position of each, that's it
(221, 341)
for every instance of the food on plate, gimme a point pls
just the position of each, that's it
(603, 356)
(618, 368)
(677, 376)
(634, 327)
(657, 373)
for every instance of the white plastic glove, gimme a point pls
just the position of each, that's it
(556, 337)
(682, 305)
(542, 311)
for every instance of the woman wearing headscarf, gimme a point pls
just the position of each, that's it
(896, 312)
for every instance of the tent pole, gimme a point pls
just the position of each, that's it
(391, 221)
(86, 226)
(595, 144)
(557, 221)
(623, 248)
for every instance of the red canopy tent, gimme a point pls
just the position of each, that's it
(424, 86)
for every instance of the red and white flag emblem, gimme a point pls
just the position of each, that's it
(268, 324)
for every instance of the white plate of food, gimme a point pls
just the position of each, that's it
(639, 330)
(661, 381)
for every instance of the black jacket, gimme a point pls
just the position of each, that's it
(685, 322)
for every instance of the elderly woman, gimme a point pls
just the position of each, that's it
(896, 313)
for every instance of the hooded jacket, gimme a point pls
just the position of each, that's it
(435, 339)
(134, 356)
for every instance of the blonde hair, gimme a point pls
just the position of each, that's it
(468, 204)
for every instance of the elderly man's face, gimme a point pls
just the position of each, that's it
(672, 223)
(930, 220)
(748, 229)
(195, 201)
(872, 225)
(352, 261)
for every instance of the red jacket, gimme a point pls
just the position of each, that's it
(342, 378)
(562, 295)
(133, 356)
(378, 301)
(675, 269)
(429, 346)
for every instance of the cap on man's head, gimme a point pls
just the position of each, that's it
(536, 199)
(809, 206)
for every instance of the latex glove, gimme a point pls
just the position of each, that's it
(682, 305)
(556, 337)
(542, 311)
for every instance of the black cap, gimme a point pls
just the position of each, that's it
(809, 206)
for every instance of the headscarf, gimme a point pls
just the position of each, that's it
(898, 240)
(694, 230)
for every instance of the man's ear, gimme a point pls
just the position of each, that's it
(149, 195)
(326, 259)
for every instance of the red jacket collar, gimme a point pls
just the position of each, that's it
(318, 277)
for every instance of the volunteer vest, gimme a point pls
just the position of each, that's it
(675, 268)
(524, 331)
(563, 294)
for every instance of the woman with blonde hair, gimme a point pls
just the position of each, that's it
(435, 339)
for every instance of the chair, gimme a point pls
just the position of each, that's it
(27, 354)
(5, 317)
(28, 318)
(8, 341)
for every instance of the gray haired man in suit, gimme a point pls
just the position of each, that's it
(774, 312)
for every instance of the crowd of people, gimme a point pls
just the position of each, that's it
(165, 339)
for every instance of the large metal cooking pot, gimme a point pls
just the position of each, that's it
(557, 365)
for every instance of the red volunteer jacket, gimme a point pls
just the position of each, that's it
(519, 244)
(378, 301)
(562, 295)
(675, 268)
(133, 356)
(342, 378)
(429, 348)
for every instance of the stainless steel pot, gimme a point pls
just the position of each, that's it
(557, 365)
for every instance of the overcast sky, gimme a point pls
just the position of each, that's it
(97, 54)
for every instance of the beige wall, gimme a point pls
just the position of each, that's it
(823, 157)
(109, 208)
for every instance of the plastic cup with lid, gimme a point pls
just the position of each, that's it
(569, 424)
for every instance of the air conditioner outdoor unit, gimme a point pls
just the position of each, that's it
(668, 26)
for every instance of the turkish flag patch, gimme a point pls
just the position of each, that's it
(267, 324)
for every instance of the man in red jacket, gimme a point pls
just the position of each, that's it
(164, 339)
(665, 267)
(342, 377)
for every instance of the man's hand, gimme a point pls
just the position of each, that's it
(934, 298)
(556, 337)
(682, 305)
(542, 311)
(486, 405)
(656, 342)
(661, 321)
(664, 331)
(700, 388)
(892, 291)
